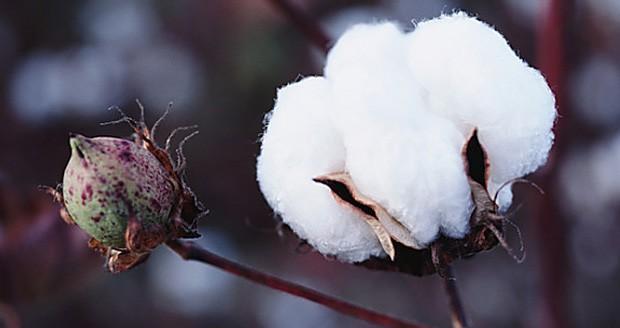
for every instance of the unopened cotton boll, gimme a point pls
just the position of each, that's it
(470, 75)
(299, 144)
(398, 154)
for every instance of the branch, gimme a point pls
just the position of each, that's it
(191, 251)
(306, 24)
(459, 319)
(553, 34)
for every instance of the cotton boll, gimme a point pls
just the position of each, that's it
(299, 144)
(398, 154)
(471, 76)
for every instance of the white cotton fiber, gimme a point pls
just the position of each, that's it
(299, 144)
(399, 155)
(415, 171)
(394, 111)
(366, 69)
(470, 75)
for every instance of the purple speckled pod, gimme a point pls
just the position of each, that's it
(110, 181)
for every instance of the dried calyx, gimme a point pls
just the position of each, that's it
(128, 195)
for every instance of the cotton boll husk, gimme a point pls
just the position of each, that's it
(471, 76)
(299, 144)
(398, 154)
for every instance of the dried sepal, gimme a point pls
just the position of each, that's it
(141, 238)
(56, 194)
(383, 236)
(383, 224)
(120, 261)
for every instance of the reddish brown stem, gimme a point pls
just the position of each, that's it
(550, 226)
(306, 24)
(459, 319)
(191, 251)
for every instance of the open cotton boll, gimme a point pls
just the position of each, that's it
(399, 155)
(299, 144)
(470, 75)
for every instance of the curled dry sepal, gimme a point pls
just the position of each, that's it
(128, 195)
(418, 137)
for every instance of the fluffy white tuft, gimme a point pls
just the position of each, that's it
(394, 110)
(299, 144)
(470, 75)
(398, 154)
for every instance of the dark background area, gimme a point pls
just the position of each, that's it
(62, 63)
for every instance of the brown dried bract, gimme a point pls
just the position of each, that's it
(57, 196)
(120, 261)
(383, 224)
(142, 239)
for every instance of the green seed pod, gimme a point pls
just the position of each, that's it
(110, 181)
(128, 195)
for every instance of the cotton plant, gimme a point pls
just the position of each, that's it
(408, 144)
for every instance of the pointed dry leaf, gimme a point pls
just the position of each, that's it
(344, 191)
(482, 200)
(384, 237)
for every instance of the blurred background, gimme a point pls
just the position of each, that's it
(63, 63)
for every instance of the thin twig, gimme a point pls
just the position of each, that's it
(191, 251)
(306, 24)
(459, 319)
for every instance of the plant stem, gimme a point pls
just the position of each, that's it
(191, 251)
(306, 24)
(554, 33)
(459, 319)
